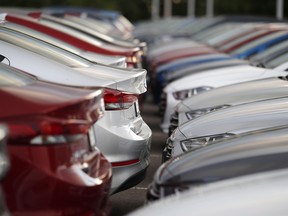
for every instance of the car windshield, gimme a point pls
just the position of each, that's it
(43, 48)
(12, 77)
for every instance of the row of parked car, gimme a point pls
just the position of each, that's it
(221, 86)
(71, 84)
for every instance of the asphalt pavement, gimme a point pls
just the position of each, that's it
(133, 198)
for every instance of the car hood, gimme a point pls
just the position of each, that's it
(190, 167)
(216, 78)
(239, 119)
(245, 92)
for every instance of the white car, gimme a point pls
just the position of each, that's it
(229, 122)
(207, 80)
(262, 194)
(123, 135)
(231, 95)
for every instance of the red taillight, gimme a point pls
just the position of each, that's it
(90, 109)
(45, 130)
(117, 100)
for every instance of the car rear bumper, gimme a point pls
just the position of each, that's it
(34, 186)
(127, 151)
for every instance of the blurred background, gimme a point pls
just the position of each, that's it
(142, 9)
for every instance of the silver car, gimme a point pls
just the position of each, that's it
(224, 123)
(227, 96)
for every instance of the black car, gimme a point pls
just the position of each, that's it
(250, 153)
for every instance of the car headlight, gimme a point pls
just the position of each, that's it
(197, 113)
(181, 95)
(199, 142)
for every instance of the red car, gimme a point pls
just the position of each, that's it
(133, 55)
(56, 167)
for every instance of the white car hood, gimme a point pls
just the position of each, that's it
(239, 119)
(237, 94)
(218, 77)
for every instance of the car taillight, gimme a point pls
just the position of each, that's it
(39, 130)
(117, 100)
(90, 109)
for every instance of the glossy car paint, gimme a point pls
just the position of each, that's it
(88, 44)
(256, 194)
(123, 128)
(215, 79)
(188, 67)
(236, 94)
(233, 120)
(52, 175)
(246, 50)
(114, 18)
(67, 24)
(92, 56)
(181, 53)
(274, 57)
(252, 152)
(67, 62)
